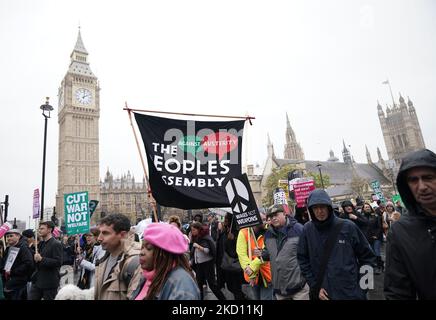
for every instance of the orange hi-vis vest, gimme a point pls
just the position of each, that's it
(265, 268)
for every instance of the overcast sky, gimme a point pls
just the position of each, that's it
(323, 62)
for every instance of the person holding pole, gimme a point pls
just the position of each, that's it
(48, 259)
(17, 266)
(281, 243)
(257, 272)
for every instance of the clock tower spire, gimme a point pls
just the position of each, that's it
(78, 118)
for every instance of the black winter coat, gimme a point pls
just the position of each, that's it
(46, 275)
(21, 269)
(361, 221)
(374, 227)
(411, 242)
(350, 252)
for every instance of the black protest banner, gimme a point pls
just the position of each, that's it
(190, 161)
(92, 206)
(242, 202)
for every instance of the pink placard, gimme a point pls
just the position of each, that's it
(302, 191)
(4, 228)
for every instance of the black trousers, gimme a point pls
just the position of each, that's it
(16, 294)
(205, 272)
(38, 293)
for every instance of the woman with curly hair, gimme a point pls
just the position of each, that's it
(203, 253)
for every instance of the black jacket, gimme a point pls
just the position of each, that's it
(22, 268)
(67, 254)
(411, 241)
(361, 221)
(47, 270)
(374, 227)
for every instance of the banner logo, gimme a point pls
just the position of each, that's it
(242, 202)
(237, 195)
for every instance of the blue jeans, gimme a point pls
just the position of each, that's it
(376, 245)
(260, 292)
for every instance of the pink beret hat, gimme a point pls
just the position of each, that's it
(167, 237)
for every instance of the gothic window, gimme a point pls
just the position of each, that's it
(77, 128)
(78, 175)
(394, 143)
(406, 143)
(73, 174)
(400, 143)
(117, 197)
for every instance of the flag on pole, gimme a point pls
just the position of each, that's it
(190, 162)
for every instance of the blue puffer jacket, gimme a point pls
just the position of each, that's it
(351, 251)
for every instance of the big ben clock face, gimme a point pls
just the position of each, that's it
(83, 96)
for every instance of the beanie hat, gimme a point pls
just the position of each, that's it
(13, 231)
(28, 233)
(347, 203)
(167, 237)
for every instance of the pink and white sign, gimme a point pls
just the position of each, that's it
(36, 204)
(302, 191)
(4, 228)
(56, 232)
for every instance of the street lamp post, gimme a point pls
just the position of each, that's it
(320, 174)
(46, 108)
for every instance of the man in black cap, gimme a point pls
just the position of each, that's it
(411, 241)
(45, 280)
(16, 265)
(30, 238)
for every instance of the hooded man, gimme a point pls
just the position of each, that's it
(352, 214)
(411, 242)
(350, 251)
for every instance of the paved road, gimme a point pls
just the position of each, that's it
(377, 292)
